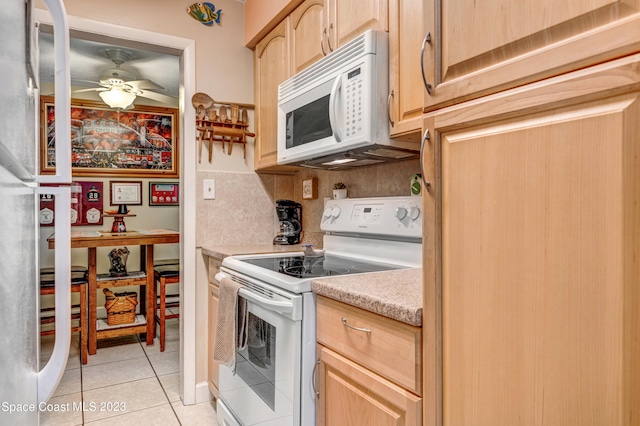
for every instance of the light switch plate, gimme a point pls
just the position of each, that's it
(209, 189)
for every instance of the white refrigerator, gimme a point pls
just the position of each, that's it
(25, 385)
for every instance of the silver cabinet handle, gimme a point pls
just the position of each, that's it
(389, 108)
(329, 37)
(322, 42)
(427, 136)
(365, 330)
(313, 378)
(427, 38)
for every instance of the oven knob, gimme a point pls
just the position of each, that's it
(335, 212)
(401, 212)
(414, 213)
(327, 212)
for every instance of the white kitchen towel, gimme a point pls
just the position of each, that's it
(227, 331)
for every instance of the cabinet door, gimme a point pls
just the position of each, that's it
(485, 46)
(271, 69)
(214, 268)
(540, 234)
(307, 23)
(406, 31)
(351, 395)
(348, 19)
(213, 320)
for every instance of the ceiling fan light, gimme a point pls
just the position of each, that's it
(117, 98)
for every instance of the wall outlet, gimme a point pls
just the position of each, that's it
(209, 189)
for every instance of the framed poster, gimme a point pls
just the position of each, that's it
(129, 193)
(141, 142)
(163, 194)
(86, 205)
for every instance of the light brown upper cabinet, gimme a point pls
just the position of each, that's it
(271, 61)
(538, 190)
(347, 19)
(307, 23)
(485, 46)
(318, 27)
(406, 31)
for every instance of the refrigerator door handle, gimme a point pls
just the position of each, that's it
(50, 375)
(62, 94)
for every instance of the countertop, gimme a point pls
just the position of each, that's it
(393, 294)
(223, 251)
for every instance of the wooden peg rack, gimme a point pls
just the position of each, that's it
(223, 122)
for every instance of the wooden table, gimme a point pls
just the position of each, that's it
(146, 239)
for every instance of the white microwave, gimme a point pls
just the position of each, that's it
(335, 114)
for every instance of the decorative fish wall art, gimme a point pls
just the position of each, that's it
(204, 13)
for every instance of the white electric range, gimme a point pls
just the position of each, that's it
(273, 384)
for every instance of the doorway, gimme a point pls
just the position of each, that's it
(184, 49)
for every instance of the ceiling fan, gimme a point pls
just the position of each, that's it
(119, 87)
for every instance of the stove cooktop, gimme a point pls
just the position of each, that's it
(312, 267)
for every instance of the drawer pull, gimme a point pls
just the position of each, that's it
(313, 378)
(344, 322)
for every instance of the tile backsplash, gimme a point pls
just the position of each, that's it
(244, 209)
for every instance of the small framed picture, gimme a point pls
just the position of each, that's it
(163, 194)
(129, 193)
(310, 188)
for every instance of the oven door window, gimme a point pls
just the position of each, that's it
(308, 123)
(267, 370)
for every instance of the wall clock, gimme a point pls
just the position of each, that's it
(310, 189)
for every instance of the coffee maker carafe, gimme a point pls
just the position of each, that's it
(290, 216)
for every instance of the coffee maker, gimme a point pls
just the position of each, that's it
(290, 216)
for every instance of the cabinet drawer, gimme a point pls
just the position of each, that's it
(391, 348)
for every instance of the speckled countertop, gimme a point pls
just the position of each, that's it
(393, 294)
(223, 251)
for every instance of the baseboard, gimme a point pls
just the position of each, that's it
(202, 392)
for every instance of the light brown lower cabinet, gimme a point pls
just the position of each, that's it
(214, 267)
(351, 395)
(370, 368)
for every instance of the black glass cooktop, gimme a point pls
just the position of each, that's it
(311, 267)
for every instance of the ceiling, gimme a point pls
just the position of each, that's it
(88, 59)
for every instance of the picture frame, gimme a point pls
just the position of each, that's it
(138, 142)
(86, 204)
(164, 194)
(310, 188)
(128, 193)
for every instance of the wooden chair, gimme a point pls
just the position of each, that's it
(165, 272)
(78, 311)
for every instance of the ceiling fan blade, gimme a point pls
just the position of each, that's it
(79, 82)
(93, 89)
(158, 97)
(144, 85)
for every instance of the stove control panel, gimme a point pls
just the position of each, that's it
(385, 216)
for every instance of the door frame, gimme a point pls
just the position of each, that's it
(190, 391)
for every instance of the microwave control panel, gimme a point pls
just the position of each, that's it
(354, 102)
(391, 216)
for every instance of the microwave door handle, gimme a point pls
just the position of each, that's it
(333, 106)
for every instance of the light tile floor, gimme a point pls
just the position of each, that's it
(125, 383)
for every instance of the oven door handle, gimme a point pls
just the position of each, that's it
(282, 307)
